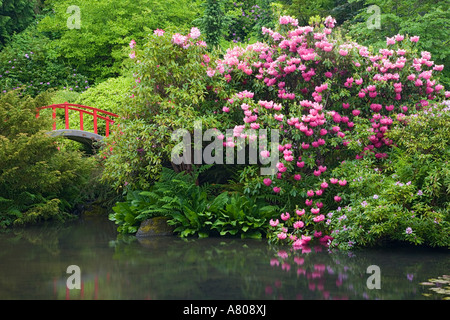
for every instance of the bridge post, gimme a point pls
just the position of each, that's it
(54, 118)
(81, 121)
(66, 111)
(95, 121)
(107, 127)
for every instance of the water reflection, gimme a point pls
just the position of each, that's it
(33, 265)
(317, 273)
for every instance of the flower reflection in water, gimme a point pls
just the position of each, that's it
(311, 273)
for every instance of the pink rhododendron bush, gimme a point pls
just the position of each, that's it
(334, 107)
(332, 101)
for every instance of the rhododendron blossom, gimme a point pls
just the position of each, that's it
(298, 90)
(195, 33)
(159, 32)
(178, 38)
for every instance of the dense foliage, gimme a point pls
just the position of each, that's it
(96, 48)
(29, 61)
(194, 209)
(320, 114)
(15, 16)
(171, 93)
(336, 100)
(362, 151)
(39, 178)
(303, 10)
(213, 22)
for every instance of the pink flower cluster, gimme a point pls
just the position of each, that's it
(297, 222)
(292, 65)
(180, 40)
(288, 20)
(186, 41)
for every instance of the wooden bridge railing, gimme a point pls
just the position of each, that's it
(95, 112)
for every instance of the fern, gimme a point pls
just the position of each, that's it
(167, 197)
(195, 209)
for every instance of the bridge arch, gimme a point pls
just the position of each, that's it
(86, 137)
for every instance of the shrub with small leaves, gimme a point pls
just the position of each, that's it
(39, 178)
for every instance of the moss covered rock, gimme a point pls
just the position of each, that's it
(156, 226)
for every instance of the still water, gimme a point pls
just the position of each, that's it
(34, 262)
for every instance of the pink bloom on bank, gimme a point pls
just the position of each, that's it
(281, 235)
(319, 218)
(274, 223)
(298, 224)
(211, 72)
(195, 33)
(285, 216)
(178, 38)
(330, 22)
(159, 32)
(399, 37)
(390, 41)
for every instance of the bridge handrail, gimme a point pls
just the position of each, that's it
(63, 105)
(80, 108)
(84, 111)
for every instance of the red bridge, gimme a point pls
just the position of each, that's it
(80, 134)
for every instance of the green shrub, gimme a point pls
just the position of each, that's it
(214, 21)
(109, 95)
(244, 216)
(405, 198)
(15, 16)
(176, 95)
(387, 210)
(106, 28)
(28, 61)
(174, 194)
(40, 179)
(422, 153)
(64, 95)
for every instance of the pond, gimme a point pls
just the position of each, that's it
(34, 265)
